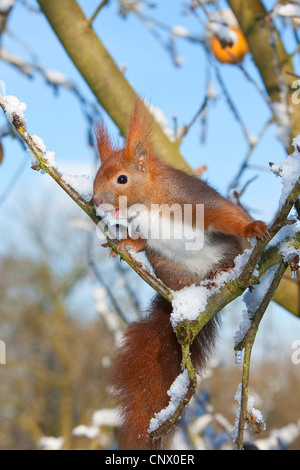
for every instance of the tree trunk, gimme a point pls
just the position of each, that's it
(270, 57)
(117, 96)
(288, 294)
(100, 71)
(273, 63)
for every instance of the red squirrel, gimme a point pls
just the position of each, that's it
(148, 359)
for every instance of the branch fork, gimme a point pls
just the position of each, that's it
(259, 258)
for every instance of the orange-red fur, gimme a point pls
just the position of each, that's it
(232, 220)
(149, 357)
(146, 365)
(104, 143)
(140, 128)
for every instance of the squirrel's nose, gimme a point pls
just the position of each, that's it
(97, 200)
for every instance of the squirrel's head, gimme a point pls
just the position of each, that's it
(125, 172)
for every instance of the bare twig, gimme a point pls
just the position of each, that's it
(187, 330)
(292, 74)
(87, 207)
(14, 179)
(247, 344)
(97, 274)
(194, 118)
(245, 164)
(98, 9)
(222, 84)
(186, 364)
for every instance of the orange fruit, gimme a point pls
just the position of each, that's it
(230, 54)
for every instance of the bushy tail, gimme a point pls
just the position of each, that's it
(147, 363)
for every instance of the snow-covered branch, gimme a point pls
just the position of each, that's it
(201, 302)
(78, 187)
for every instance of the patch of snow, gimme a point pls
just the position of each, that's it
(106, 417)
(5, 5)
(288, 170)
(180, 31)
(223, 32)
(177, 392)
(51, 443)
(14, 106)
(288, 10)
(83, 184)
(251, 410)
(91, 432)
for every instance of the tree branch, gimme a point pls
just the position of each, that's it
(274, 64)
(98, 9)
(186, 331)
(87, 207)
(247, 344)
(101, 73)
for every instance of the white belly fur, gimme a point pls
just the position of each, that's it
(198, 255)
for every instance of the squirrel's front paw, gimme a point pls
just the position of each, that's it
(256, 229)
(137, 245)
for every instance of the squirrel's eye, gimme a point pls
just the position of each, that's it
(122, 179)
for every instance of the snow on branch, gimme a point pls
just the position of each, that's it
(75, 186)
(289, 10)
(177, 392)
(6, 5)
(288, 170)
(253, 416)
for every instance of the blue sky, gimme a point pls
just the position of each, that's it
(177, 91)
(58, 118)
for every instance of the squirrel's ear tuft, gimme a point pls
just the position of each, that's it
(138, 143)
(104, 144)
